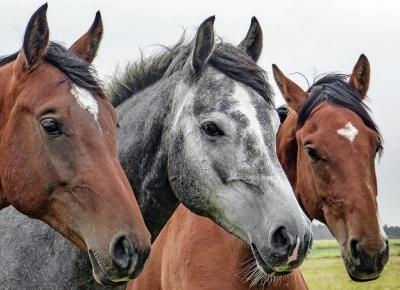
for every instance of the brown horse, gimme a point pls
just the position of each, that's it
(193, 253)
(328, 153)
(58, 151)
(327, 146)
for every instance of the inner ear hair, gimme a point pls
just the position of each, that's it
(87, 45)
(293, 94)
(36, 38)
(253, 42)
(360, 76)
(204, 45)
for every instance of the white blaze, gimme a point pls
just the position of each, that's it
(244, 103)
(86, 101)
(348, 131)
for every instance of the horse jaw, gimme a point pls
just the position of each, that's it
(3, 202)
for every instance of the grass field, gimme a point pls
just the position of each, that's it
(324, 269)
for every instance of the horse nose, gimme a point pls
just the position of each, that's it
(281, 242)
(357, 250)
(365, 263)
(122, 252)
(127, 259)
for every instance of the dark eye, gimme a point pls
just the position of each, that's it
(51, 126)
(211, 129)
(313, 153)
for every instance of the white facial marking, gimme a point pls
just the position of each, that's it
(179, 107)
(243, 98)
(293, 256)
(348, 131)
(86, 101)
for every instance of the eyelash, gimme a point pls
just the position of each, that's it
(313, 153)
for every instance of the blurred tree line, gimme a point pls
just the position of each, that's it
(321, 232)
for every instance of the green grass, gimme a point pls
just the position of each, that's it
(324, 269)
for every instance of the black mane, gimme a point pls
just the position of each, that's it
(78, 71)
(335, 89)
(226, 58)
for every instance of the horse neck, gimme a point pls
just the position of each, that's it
(142, 149)
(288, 154)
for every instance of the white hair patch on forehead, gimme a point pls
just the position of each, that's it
(86, 101)
(348, 131)
(244, 103)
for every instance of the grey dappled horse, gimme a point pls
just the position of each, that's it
(196, 125)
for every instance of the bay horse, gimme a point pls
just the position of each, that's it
(327, 146)
(186, 116)
(58, 151)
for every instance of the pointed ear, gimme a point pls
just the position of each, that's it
(252, 43)
(360, 76)
(36, 38)
(86, 47)
(204, 45)
(294, 96)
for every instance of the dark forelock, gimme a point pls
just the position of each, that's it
(335, 89)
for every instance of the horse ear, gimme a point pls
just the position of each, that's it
(204, 45)
(36, 38)
(360, 77)
(253, 42)
(87, 45)
(294, 96)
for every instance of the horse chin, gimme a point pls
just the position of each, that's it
(100, 276)
(362, 278)
(265, 267)
(355, 274)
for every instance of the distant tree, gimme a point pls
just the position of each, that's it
(321, 232)
(392, 232)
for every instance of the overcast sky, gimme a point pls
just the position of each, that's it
(306, 36)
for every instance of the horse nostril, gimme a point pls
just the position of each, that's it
(281, 240)
(355, 253)
(122, 251)
(308, 238)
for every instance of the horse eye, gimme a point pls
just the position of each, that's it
(211, 129)
(313, 153)
(51, 126)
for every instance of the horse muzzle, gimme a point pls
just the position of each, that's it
(126, 262)
(362, 267)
